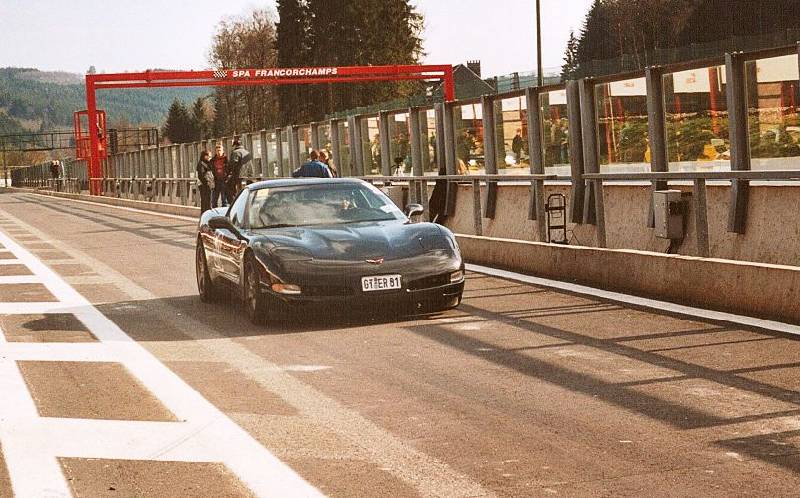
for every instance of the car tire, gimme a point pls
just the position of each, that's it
(205, 285)
(255, 301)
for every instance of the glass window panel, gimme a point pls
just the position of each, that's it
(400, 143)
(621, 108)
(468, 124)
(371, 145)
(511, 121)
(555, 132)
(773, 100)
(430, 164)
(696, 113)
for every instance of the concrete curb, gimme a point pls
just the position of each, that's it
(744, 288)
(156, 207)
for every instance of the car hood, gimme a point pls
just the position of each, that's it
(356, 241)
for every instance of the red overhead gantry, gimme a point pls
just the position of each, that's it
(243, 77)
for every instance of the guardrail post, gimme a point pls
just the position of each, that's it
(263, 159)
(656, 127)
(575, 151)
(450, 157)
(476, 207)
(294, 147)
(336, 147)
(416, 153)
(593, 212)
(279, 152)
(425, 153)
(315, 136)
(536, 150)
(739, 138)
(701, 217)
(385, 143)
(441, 162)
(183, 154)
(249, 169)
(489, 153)
(357, 147)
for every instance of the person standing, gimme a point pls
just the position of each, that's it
(205, 180)
(219, 163)
(516, 146)
(313, 168)
(55, 173)
(325, 158)
(233, 172)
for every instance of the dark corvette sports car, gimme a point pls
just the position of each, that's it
(325, 243)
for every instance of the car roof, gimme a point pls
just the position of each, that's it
(293, 182)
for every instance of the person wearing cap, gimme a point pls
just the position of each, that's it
(239, 157)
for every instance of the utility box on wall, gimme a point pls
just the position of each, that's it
(668, 210)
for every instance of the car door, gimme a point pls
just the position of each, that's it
(229, 247)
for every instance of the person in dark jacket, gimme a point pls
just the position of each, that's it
(205, 180)
(313, 168)
(219, 164)
(233, 173)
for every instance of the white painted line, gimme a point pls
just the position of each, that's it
(58, 351)
(36, 308)
(29, 440)
(125, 208)
(747, 321)
(10, 262)
(20, 279)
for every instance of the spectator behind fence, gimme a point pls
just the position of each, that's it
(205, 180)
(313, 168)
(233, 173)
(219, 163)
(325, 158)
(55, 173)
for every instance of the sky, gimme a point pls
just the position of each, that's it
(130, 35)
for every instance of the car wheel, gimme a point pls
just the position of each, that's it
(255, 301)
(205, 286)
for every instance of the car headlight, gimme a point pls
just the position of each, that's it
(289, 289)
(457, 276)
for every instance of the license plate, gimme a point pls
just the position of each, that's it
(381, 283)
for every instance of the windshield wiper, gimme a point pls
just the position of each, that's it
(280, 225)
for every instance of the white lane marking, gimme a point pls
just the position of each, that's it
(19, 279)
(30, 442)
(125, 208)
(641, 301)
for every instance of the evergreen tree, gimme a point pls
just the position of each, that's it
(201, 119)
(179, 127)
(570, 57)
(345, 33)
(634, 28)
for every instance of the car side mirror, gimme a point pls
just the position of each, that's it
(223, 223)
(414, 210)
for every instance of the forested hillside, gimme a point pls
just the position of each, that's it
(37, 100)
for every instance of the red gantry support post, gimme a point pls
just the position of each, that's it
(246, 77)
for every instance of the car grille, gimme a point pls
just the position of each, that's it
(327, 290)
(429, 282)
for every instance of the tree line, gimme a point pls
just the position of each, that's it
(633, 28)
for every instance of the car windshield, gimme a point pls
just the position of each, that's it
(320, 204)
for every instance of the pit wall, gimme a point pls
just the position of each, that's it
(772, 232)
(744, 288)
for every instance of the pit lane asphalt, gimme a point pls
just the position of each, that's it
(522, 391)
